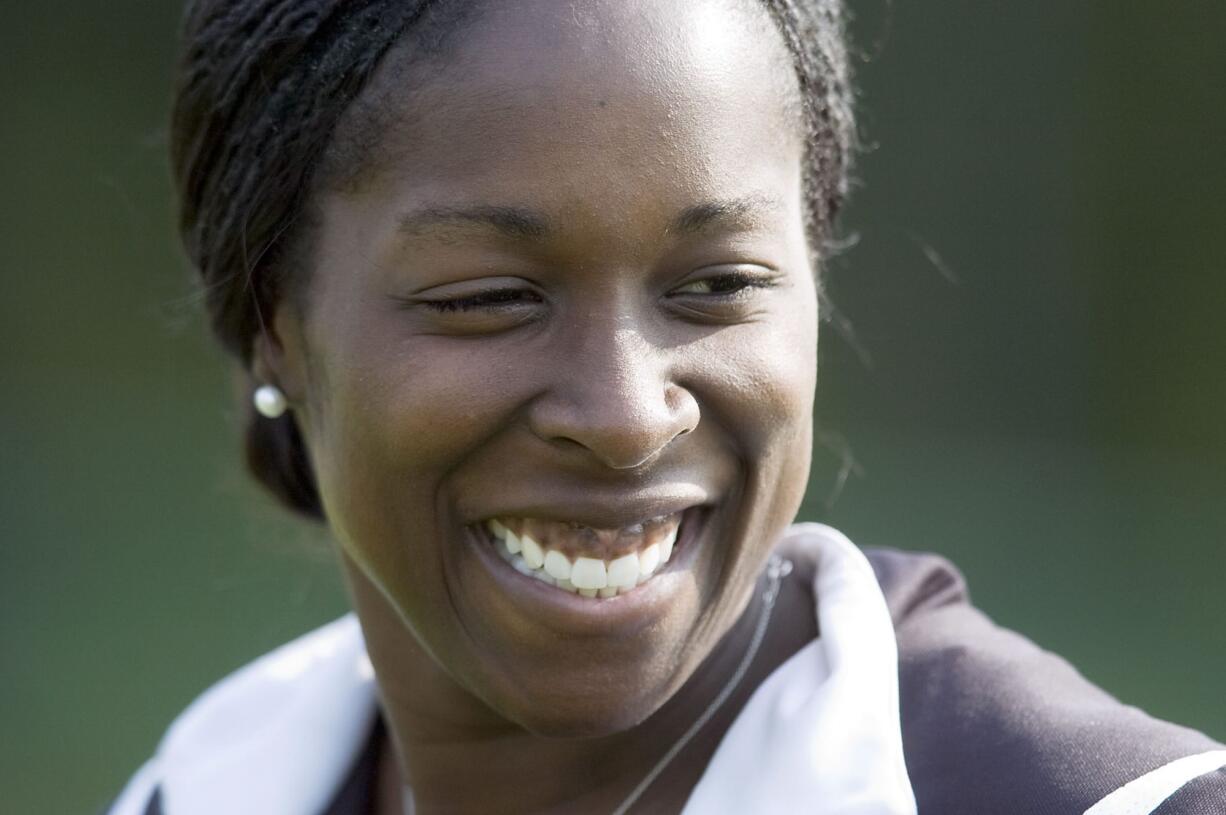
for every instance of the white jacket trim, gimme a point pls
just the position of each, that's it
(1145, 794)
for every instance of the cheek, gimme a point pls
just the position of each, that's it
(761, 378)
(393, 421)
(764, 399)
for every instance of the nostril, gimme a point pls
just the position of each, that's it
(624, 415)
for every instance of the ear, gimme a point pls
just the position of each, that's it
(278, 354)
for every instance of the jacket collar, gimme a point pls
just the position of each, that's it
(279, 736)
(284, 734)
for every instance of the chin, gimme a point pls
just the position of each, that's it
(585, 717)
(589, 701)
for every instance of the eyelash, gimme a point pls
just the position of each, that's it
(491, 300)
(729, 286)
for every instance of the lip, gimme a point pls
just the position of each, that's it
(600, 510)
(574, 614)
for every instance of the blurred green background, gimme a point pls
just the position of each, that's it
(1034, 387)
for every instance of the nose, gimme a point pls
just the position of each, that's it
(613, 395)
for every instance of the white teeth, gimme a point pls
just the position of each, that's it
(533, 554)
(666, 546)
(649, 559)
(589, 573)
(586, 576)
(624, 572)
(510, 540)
(557, 565)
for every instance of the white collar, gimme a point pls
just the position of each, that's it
(276, 737)
(823, 729)
(279, 736)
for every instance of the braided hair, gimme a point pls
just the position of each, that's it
(262, 87)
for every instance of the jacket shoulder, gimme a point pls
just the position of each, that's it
(993, 723)
(1203, 795)
(290, 726)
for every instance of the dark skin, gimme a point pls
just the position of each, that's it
(617, 768)
(573, 284)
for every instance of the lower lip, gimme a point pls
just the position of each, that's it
(560, 609)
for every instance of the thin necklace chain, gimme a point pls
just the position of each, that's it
(777, 569)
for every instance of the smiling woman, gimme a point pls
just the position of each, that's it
(481, 338)
(529, 295)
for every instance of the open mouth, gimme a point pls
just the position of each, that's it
(583, 560)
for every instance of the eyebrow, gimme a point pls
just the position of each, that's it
(512, 222)
(743, 213)
(518, 223)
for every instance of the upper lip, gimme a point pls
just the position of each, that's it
(600, 510)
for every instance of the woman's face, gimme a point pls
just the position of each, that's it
(570, 297)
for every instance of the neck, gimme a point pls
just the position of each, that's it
(460, 756)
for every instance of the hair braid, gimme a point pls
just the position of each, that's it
(814, 33)
(262, 87)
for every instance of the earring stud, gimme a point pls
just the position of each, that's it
(269, 401)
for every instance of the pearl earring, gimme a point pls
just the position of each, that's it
(269, 401)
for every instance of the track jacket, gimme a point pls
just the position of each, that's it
(910, 700)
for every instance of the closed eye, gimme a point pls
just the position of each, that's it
(472, 307)
(730, 283)
(489, 300)
(724, 295)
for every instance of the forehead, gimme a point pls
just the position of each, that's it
(582, 101)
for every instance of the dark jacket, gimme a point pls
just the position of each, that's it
(990, 722)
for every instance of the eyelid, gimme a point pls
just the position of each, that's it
(488, 300)
(753, 275)
(467, 288)
(483, 294)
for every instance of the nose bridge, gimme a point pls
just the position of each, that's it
(614, 394)
(630, 383)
